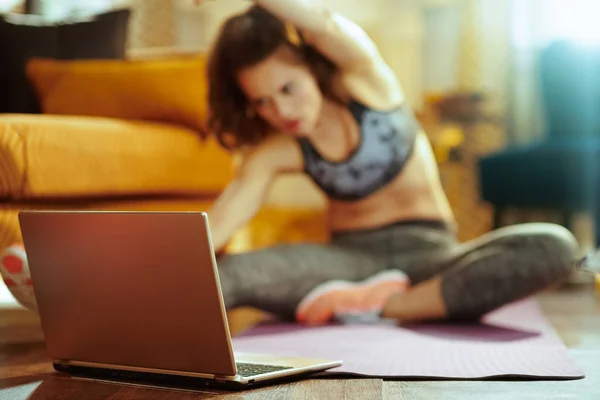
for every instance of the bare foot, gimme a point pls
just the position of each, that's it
(338, 297)
(15, 274)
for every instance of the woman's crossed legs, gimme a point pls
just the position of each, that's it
(409, 271)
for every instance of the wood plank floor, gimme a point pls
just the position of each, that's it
(25, 372)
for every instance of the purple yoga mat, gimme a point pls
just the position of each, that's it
(515, 341)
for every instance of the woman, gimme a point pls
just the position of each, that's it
(314, 95)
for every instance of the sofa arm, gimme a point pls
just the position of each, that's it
(47, 156)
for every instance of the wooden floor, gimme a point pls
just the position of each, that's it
(25, 372)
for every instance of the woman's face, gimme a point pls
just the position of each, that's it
(284, 92)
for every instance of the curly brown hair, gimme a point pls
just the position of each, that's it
(244, 41)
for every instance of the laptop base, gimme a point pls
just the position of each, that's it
(168, 381)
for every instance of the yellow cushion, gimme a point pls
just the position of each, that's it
(45, 156)
(12, 159)
(166, 90)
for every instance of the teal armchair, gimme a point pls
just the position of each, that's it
(562, 171)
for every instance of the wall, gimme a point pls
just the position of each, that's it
(9, 5)
(441, 48)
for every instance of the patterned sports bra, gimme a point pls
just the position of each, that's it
(387, 139)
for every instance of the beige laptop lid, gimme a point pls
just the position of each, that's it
(135, 289)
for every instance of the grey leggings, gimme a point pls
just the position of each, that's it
(477, 277)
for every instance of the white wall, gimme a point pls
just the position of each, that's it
(441, 45)
(7, 5)
(495, 53)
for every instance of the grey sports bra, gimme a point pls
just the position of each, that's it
(387, 140)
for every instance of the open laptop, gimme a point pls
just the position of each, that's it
(137, 294)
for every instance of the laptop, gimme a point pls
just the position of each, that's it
(137, 295)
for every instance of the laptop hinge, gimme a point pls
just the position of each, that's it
(224, 378)
(61, 365)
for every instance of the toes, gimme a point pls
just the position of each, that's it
(319, 311)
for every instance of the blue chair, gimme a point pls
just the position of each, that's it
(562, 171)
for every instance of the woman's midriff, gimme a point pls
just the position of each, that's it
(416, 194)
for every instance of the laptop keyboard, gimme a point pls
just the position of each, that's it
(246, 370)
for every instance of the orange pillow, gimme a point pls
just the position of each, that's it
(163, 90)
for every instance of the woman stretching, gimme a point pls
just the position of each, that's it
(313, 94)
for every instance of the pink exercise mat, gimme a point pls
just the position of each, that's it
(513, 342)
